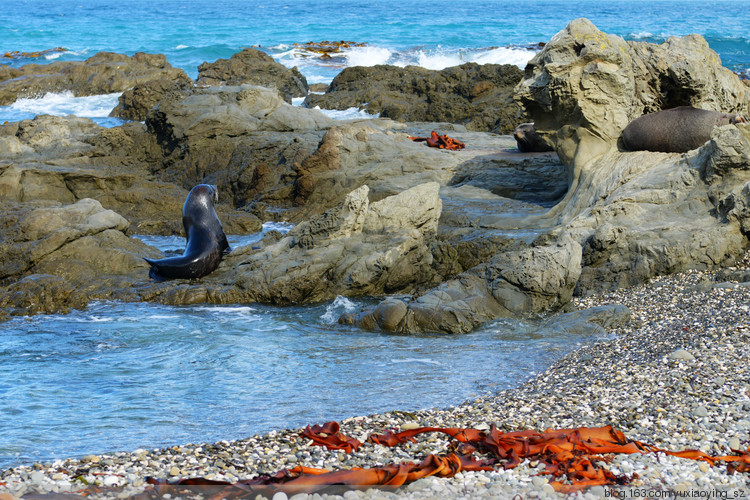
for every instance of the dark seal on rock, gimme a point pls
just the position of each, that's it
(528, 140)
(206, 241)
(675, 130)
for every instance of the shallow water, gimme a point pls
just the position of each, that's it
(122, 376)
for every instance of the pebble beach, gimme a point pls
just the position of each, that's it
(675, 377)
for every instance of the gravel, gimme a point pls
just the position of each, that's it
(677, 377)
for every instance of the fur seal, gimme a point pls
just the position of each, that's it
(528, 140)
(206, 241)
(675, 130)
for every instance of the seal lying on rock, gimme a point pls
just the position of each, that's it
(528, 140)
(675, 130)
(206, 241)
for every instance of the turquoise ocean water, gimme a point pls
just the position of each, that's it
(123, 376)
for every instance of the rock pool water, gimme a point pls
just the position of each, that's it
(119, 376)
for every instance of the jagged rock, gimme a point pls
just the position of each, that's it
(224, 135)
(638, 214)
(523, 282)
(350, 250)
(136, 103)
(65, 159)
(103, 73)
(253, 67)
(477, 96)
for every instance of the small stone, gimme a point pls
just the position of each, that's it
(109, 481)
(734, 443)
(90, 459)
(408, 426)
(174, 471)
(700, 411)
(538, 481)
(681, 355)
(279, 495)
(36, 476)
(703, 466)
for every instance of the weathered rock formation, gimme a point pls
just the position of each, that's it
(477, 96)
(516, 283)
(469, 234)
(253, 67)
(103, 73)
(57, 257)
(66, 159)
(627, 216)
(136, 103)
(357, 249)
(585, 86)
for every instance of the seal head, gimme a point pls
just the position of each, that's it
(206, 241)
(528, 139)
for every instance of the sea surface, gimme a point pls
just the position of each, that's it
(122, 376)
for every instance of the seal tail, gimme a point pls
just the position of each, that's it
(153, 273)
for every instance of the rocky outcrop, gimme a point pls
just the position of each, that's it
(585, 86)
(477, 96)
(103, 73)
(253, 67)
(525, 282)
(627, 216)
(359, 248)
(243, 137)
(136, 103)
(639, 214)
(58, 257)
(66, 159)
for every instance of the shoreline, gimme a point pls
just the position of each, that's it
(642, 382)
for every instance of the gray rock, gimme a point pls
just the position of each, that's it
(595, 320)
(345, 251)
(530, 281)
(681, 355)
(477, 96)
(136, 103)
(103, 73)
(253, 67)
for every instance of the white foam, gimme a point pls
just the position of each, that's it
(366, 56)
(281, 227)
(227, 309)
(642, 35)
(416, 360)
(504, 55)
(181, 47)
(439, 60)
(297, 101)
(347, 114)
(334, 309)
(65, 103)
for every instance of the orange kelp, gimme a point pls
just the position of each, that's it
(328, 435)
(22, 55)
(573, 457)
(440, 141)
